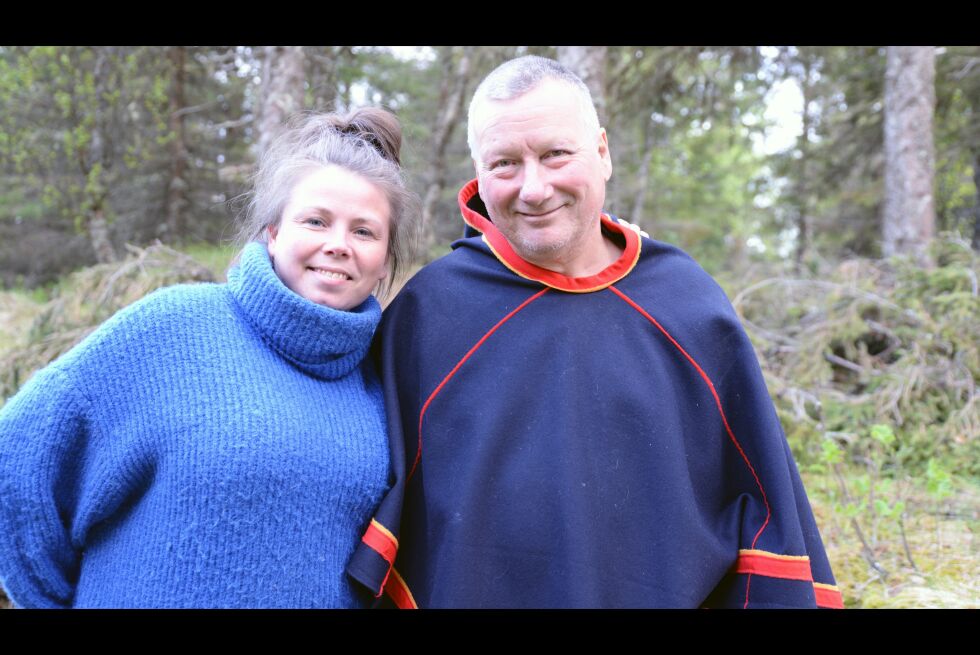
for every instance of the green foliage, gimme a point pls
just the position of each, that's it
(884, 357)
(898, 544)
(78, 96)
(938, 481)
(883, 434)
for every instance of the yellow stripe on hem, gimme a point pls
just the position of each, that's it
(766, 553)
(828, 587)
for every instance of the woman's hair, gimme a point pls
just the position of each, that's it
(365, 141)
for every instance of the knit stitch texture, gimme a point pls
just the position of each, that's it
(208, 446)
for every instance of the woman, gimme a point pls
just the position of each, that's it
(223, 445)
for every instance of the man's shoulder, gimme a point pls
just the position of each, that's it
(674, 277)
(467, 254)
(469, 270)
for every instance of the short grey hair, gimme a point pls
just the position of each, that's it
(367, 142)
(516, 77)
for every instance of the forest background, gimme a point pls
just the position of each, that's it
(845, 230)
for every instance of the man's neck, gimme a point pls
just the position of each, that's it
(589, 258)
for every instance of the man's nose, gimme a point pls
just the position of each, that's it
(534, 187)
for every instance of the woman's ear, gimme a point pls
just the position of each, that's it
(273, 232)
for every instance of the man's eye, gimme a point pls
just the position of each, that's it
(314, 221)
(501, 163)
(557, 152)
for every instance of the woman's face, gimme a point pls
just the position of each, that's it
(331, 243)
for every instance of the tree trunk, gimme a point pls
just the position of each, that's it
(909, 217)
(589, 63)
(98, 232)
(453, 92)
(802, 190)
(97, 165)
(642, 175)
(323, 76)
(976, 201)
(177, 189)
(282, 91)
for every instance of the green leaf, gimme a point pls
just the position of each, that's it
(883, 434)
(831, 453)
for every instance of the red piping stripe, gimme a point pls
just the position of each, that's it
(711, 387)
(721, 411)
(418, 454)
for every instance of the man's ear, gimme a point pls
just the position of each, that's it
(476, 172)
(604, 155)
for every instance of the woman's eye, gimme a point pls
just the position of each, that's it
(314, 221)
(364, 232)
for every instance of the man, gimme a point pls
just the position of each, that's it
(584, 421)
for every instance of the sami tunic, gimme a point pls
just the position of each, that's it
(583, 442)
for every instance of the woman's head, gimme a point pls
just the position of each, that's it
(328, 197)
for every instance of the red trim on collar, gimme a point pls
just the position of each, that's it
(502, 249)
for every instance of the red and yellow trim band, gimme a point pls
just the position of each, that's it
(788, 567)
(399, 592)
(828, 596)
(761, 562)
(382, 541)
(504, 252)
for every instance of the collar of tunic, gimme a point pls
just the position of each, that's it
(473, 212)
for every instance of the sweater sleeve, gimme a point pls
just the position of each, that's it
(43, 434)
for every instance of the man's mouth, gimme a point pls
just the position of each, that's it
(539, 214)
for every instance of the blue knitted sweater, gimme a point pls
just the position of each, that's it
(208, 446)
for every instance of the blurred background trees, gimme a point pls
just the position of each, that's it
(112, 145)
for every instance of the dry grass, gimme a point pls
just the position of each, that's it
(17, 311)
(86, 299)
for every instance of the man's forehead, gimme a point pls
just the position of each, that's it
(549, 111)
(554, 94)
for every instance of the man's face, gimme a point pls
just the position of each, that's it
(542, 173)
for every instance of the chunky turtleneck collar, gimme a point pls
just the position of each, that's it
(323, 342)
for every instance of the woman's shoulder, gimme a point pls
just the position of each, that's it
(164, 315)
(169, 307)
(183, 300)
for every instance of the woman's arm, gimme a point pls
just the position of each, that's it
(43, 434)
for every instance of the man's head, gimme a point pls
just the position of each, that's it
(542, 162)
